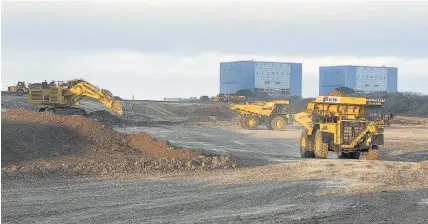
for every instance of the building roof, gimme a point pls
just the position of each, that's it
(262, 62)
(369, 66)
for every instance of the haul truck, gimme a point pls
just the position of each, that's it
(350, 126)
(273, 114)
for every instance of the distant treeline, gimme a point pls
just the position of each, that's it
(407, 103)
(401, 103)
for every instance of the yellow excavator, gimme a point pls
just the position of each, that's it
(63, 97)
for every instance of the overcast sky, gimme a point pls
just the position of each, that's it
(157, 49)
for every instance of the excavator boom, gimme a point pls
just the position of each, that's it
(82, 88)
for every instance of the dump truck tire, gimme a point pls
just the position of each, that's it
(241, 121)
(19, 92)
(268, 122)
(251, 122)
(371, 154)
(355, 155)
(320, 148)
(278, 123)
(306, 145)
(43, 109)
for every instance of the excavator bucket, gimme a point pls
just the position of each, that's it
(117, 108)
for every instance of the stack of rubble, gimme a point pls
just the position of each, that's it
(53, 145)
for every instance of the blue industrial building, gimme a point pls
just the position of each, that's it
(272, 78)
(363, 79)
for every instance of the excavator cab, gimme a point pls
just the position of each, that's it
(45, 85)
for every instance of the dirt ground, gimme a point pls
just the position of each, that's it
(406, 134)
(182, 200)
(199, 167)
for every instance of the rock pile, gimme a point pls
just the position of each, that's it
(52, 145)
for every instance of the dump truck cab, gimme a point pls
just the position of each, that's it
(349, 126)
(273, 114)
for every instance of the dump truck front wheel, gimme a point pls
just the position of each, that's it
(371, 154)
(250, 122)
(278, 123)
(320, 148)
(306, 146)
(268, 122)
(19, 92)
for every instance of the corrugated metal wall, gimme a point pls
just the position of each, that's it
(334, 77)
(268, 77)
(359, 78)
(371, 79)
(235, 76)
(273, 77)
(392, 85)
(296, 79)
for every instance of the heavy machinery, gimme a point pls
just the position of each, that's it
(62, 97)
(342, 91)
(34, 85)
(204, 99)
(19, 89)
(273, 114)
(228, 98)
(350, 126)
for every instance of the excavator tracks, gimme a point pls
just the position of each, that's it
(64, 110)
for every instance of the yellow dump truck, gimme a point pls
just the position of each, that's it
(350, 126)
(273, 114)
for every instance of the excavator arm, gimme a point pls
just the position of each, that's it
(77, 89)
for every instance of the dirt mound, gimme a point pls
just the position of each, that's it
(17, 102)
(107, 118)
(201, 112)
(45, 144)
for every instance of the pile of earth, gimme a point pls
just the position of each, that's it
(111, 120)
(203, 112)
(107, 118)
(48, 145)
(17, 102)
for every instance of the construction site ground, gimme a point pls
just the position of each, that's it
(210, 170)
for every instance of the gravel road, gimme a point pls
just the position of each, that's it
(185, 201)
(247, 149)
